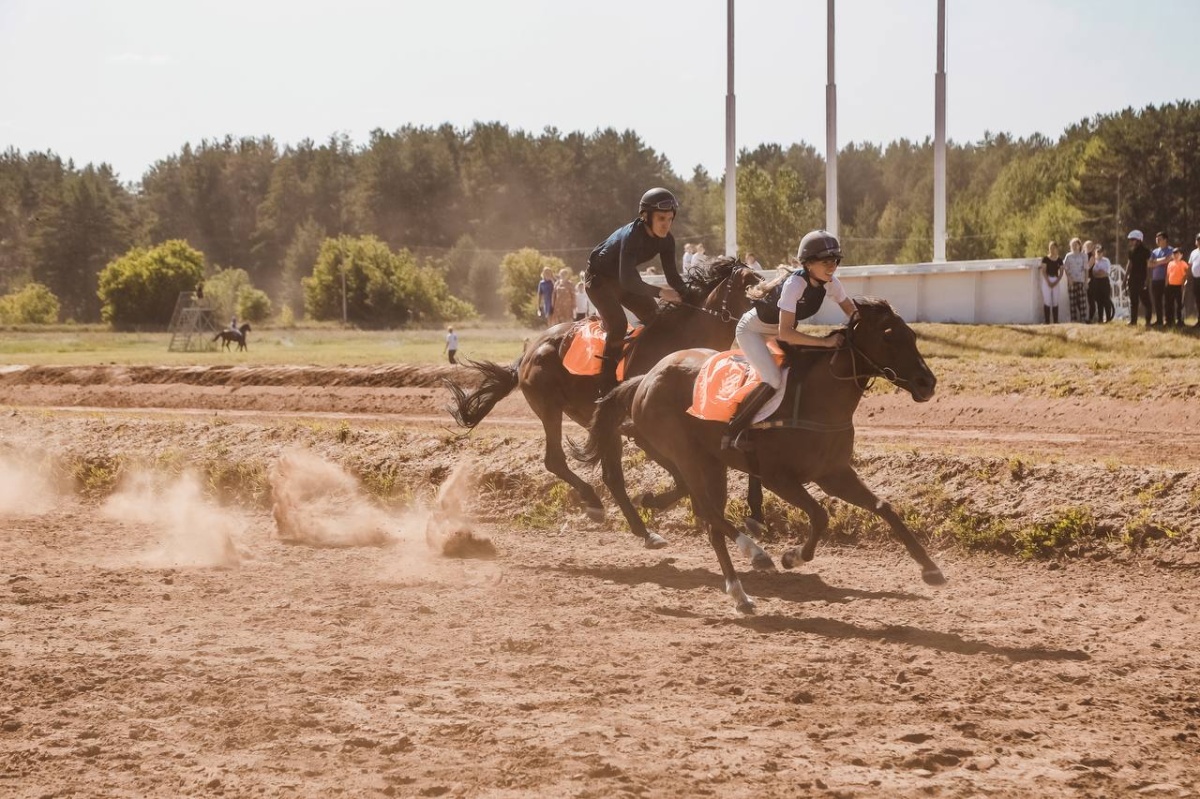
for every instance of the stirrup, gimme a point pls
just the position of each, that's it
(739, 441)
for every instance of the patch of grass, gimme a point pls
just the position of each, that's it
(549, 511)
(1143, 528)
(241, 481)
(1046, 539)
(97, 476)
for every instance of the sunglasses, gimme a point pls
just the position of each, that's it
(664, 205)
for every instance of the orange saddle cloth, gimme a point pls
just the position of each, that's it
(724, 381)
(585, 347)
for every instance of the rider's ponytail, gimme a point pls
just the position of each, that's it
(760, 290)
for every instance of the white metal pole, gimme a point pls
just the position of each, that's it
(831, 146)
(939, 139)
(731, 247)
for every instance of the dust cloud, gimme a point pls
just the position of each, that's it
(195, 531)
(318, 503)
(24, 490)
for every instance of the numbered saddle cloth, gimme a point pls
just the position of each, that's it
(585, 347)
(724, 381)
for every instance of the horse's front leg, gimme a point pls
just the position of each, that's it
(614, 477)
(845, 484)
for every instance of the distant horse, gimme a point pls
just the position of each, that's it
(714, 301)
(812, 443)
(230, 336)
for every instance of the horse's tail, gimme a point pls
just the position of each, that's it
(469, 409)
(604, 434)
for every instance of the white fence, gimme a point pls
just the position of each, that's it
(1002, 291)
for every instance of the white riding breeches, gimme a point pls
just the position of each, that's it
(752, 336)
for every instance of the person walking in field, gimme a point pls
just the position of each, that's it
(614, 282)
(563, 304)
(1177, 270)
(545, 296)
(451, 346)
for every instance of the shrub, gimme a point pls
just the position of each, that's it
(143, 286)
(35, 304)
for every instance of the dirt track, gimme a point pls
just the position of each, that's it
(576, 663)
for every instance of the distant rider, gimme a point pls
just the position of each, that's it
(613, 280)
(778, 306)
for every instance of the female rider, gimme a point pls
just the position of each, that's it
(774, 314)
(613, 280)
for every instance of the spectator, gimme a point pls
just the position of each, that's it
(1101, 286)
(688, 254)
(1051, 272)
(451, 348)
(1177, 270)
(1135, 276)
(545, 295)
(1075, 265)
(581, 300)
(1159, 259)
(1089, 252)
(752, 261)
(563, 306)
(698, 256)
(1194, 262)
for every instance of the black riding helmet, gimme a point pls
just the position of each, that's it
(817, 245)
(658, 199)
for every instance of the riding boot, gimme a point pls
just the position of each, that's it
(744, 416)
(608, 371)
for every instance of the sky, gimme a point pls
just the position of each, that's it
(129, 82)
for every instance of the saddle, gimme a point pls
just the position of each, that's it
(724, 381)
(582, 351)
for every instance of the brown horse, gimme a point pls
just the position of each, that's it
(715, 300)
(809, 439)
(233, 336)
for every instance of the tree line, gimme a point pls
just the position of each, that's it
(457, 201)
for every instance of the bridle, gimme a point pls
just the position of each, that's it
(855, 354)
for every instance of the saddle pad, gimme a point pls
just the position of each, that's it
(585, 350)
(724, 381)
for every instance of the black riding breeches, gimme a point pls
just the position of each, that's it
(610, 301)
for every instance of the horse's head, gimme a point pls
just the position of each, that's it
(881, 338)
(720, 287)
(245, 328)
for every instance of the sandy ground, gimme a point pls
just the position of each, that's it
(154, 642)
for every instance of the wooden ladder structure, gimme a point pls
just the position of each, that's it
(193, 325)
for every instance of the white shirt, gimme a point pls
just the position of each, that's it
(451, 341)
(581, 300)
(1101, 268)
(1076, 265)
(793, 288)
(687, 260)
(1194, 260)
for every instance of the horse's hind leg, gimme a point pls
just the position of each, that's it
(556, 463)
(794, 492)
(845, 484)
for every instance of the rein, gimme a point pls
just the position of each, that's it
(723, 314)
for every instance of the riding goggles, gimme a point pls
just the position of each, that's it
(663, 205)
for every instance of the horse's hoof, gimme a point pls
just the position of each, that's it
(746, 606)
(640, 500)
(754, 527)
(807, 552)
(762, 562)
(789, 560)
(933, 576)
(655, 541)
(595, 514)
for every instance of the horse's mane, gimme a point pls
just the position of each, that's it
(700, 281)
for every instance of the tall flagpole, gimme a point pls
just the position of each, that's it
(939, 139)
(730, 151)
(831, 147)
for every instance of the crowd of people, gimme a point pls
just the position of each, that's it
(1156, 281)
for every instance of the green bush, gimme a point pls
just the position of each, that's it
(520, 272)
(380, 288)
(35, 304)
(143, 286)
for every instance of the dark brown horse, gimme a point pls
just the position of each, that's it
(715, 300)
(812, 440)
(238, 336)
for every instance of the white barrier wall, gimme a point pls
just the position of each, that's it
(1003, 291)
